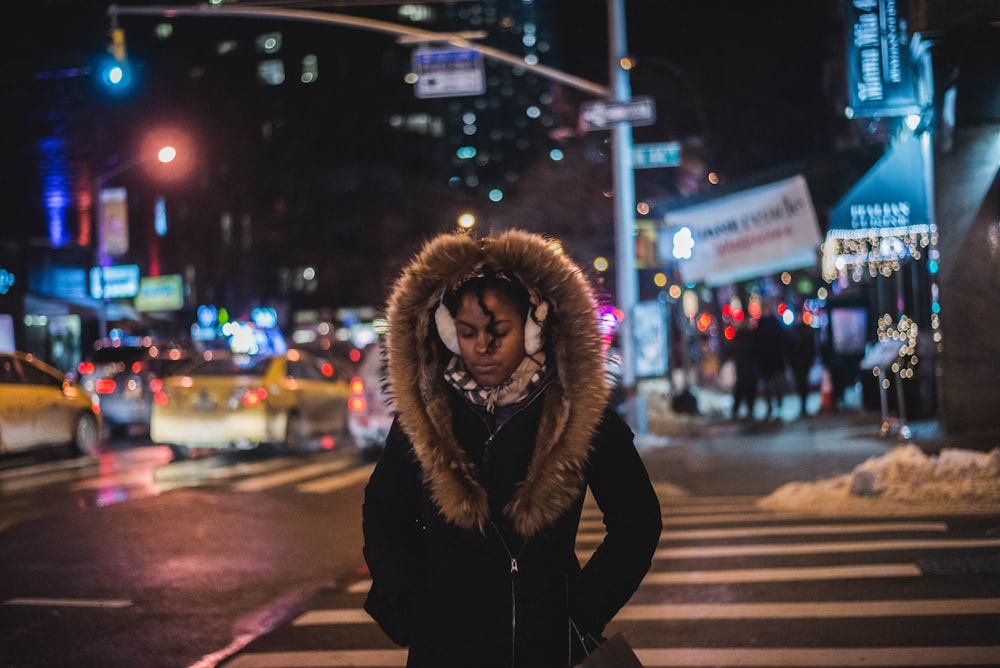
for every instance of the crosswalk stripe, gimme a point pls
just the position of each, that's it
(356, 658)
(735, 576)
(808, 657)
(784, 530)
(801, 657)
(296, 474)
(795, 610)
(715, 551)
(333, 483)
(778, 610)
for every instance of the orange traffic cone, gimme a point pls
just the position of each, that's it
(826, 391)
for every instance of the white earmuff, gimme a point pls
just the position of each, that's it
(533, 339)
(446, 328)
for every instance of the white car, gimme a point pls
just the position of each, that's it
(371, 408)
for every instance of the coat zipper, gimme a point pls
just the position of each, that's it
(487, 449)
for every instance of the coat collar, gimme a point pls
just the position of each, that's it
(573, 405)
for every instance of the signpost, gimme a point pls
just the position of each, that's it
(448, 72)
(603, 115)
(667, 154)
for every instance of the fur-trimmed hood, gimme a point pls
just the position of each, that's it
(574, 404)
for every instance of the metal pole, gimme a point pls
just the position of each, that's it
(624, 198)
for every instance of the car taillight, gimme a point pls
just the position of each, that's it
(254, 397)
(357, 404)
(104, 386)
(156, 385)
(160, 397)
(85, 368)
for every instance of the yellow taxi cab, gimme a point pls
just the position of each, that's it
(223, 400)
(41, 408)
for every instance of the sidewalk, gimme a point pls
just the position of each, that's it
(709, 453)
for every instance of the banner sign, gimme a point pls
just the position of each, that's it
(745, 235)
(115, 282)
(448, 72)
(880, 80)
(114, 221)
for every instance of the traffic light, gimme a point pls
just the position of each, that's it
(115, 71)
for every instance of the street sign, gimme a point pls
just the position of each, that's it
(667, 154)
(602, 114)
(448, 72)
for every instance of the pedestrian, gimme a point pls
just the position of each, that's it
(803, 356)
(744, 356)
(503, 422)
(772, 352)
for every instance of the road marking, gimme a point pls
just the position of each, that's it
(716, 551)
(353, 658)
(783, 530)
(802, 657)
(735, 576)
(333, 483)
(794, 610)
(806, 657)
(259, 483)
(71, 602)
(333, 616)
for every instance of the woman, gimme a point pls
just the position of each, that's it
(470, 516)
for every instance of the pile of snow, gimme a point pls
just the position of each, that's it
(904, 480)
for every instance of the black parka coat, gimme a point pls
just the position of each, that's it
(470, 530)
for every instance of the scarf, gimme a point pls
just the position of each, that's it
(518, 387)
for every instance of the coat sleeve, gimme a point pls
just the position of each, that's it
(632, 519)
(393, 535)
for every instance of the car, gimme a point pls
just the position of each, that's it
(41, 408)
(223, 400)
(371, 407)
(124, 375)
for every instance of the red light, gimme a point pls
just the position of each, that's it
(161, 398)
(782, 307)
(326, 369)
(254, 397)
(727, 310)
(104, 386)
(85, 367)
(729, 332)
(156, 385)
(357, 385)
(738, 315)
(357, 404)
(136, 367)
(355, 355)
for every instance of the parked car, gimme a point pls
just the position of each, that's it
(371, 406)
(125, 375)
(223, 400)
(40, 408)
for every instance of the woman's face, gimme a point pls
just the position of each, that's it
(491, 356)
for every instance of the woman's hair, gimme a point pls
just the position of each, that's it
(507, 286)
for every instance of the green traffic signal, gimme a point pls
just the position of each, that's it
(115, 73)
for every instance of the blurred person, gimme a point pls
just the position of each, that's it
(744, 356)
(772, 352)
(803, 356)
(503, 423)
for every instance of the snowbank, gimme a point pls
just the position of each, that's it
(904, 480)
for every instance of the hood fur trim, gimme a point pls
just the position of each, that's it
(573, 406)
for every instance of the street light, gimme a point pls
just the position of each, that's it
(164, 154)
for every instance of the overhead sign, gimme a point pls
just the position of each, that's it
(645, 156)
(745, 235)
(603, 114)
(160, 293)
(880, 76)
(448, 72)
(114, 282)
